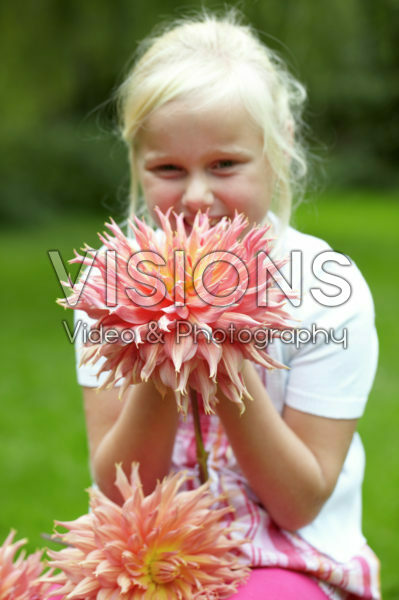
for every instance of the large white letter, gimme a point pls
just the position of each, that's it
(265, 267)
(179, 277)
(334, 280)
(111, 276)
(148, 281)
(62, 275)
(221, 300)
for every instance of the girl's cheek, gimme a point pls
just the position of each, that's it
(238, 197)
(161, 194)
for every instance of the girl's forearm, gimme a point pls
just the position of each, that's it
(144, 432)
(280, 468)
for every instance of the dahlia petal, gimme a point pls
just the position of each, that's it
(180, 352)
(164, 322)
(206, 387)
(261, 357)
(105, 594)
(212, 353)
(131, 314)
(84, 588)
(122, 482)
(149, 354)
(168, 374)
(232, 360)
(182, 379)
(182, 402)
(237, 319)
(124, 582)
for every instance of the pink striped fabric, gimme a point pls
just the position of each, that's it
(270, 545)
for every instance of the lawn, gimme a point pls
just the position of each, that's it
(43, 453)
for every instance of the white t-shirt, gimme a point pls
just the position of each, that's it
(324, 378)
(328, 380)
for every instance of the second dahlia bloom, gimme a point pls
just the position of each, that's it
(170, 545)
(19, 575)
(183, 308)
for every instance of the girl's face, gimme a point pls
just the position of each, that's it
(211, 158)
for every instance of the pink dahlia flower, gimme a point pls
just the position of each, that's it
(183, 308)
(19, 576)
(169, 545)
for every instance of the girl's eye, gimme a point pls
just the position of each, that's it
(225, 163)
(168, 170)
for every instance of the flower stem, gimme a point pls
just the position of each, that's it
(202, 454)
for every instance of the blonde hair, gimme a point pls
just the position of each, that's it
(214, 59)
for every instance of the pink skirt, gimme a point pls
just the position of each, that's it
(273, 584)
(279, 584)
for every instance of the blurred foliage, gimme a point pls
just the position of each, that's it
(63, 60)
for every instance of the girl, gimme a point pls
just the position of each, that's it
(211, 121)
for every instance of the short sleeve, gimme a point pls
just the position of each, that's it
(332, 374)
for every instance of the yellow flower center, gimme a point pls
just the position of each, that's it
(163, 565)
(163, 570)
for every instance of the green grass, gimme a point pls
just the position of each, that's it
(43, 453)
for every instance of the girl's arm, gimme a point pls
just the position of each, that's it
(292, 462)
(140, 427)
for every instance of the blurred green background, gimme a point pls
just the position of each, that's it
(64, 171)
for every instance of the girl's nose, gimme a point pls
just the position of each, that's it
(197, 195)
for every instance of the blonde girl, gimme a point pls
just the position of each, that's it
(211, 119)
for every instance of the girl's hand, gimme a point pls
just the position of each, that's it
(140, 427)
(291, 462)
